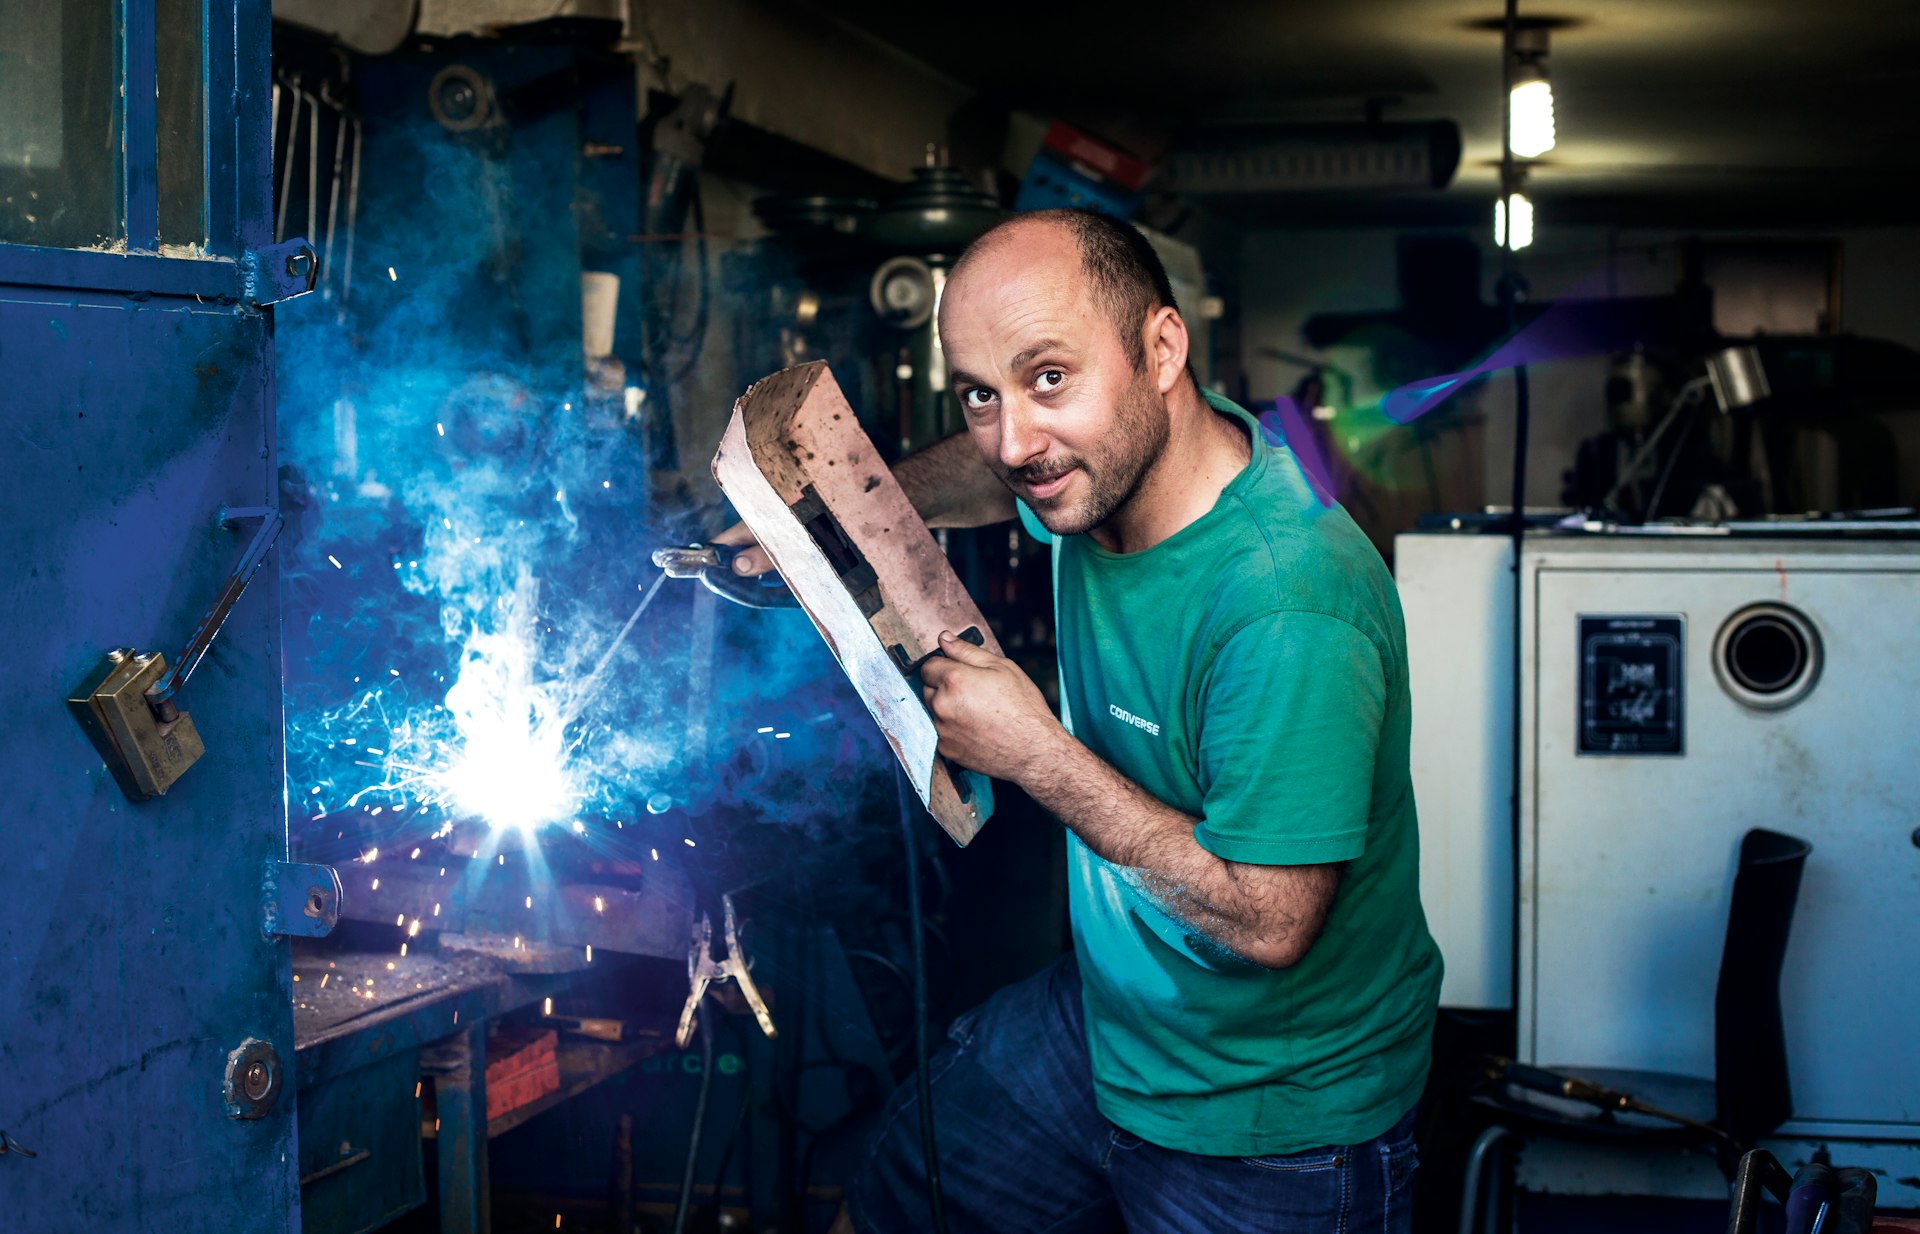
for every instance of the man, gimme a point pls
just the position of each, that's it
(1241, 1033)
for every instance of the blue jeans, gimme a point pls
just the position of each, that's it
(1024, 1149)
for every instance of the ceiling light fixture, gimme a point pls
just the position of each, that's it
(1522, 220)
(1530, 115)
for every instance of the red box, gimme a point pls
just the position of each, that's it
(522, 1067)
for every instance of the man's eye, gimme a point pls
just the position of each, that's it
(976, 398)
(1051, 379)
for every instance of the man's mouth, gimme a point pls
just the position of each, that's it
(1041, 490)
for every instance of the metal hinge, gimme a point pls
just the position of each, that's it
(279, 272)
(299, 900)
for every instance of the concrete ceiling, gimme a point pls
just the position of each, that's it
(1671, 111)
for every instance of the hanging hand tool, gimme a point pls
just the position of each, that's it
(703, 970)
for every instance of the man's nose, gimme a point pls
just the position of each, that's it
(1022, 438)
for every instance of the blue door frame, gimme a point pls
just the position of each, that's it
(139, 979)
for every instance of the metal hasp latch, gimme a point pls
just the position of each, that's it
(808, 483)
(253, 1079)
(703, 970)
(279, 272)
(299, 900)
(127, 707)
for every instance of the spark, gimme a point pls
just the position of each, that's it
(400, 920)
(767, 728)
(436, 910)
(391, 276)
(688, 843)
(389, 969)
(546, 1008)
(529, 901)
(335, 561)
(413, 931)
(782, 736)
(415, 856)
(655, 852)
(589, 953)
(440, 428)
(376, 885)
(599, 905)
(403, 949)
(369, 855)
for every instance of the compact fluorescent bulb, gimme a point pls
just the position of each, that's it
(1531, 132)
(1522, 222)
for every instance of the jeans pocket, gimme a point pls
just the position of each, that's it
(1314, 1159)
(1398, 1161)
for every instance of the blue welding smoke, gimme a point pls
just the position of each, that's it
(474, 630)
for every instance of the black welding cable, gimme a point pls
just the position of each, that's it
(923, 1084)
(1522, 415)
(685, 1204)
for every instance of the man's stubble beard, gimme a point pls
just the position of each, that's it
(1115, 467)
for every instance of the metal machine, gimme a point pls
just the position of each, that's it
(146, 1027)
(1677, 688)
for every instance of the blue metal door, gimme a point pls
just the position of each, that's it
(145, 1025)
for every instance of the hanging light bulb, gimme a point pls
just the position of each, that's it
(1531, 132)
(1530, 108)
(1522, 221)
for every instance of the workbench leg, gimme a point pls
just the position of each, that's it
(461, 1090)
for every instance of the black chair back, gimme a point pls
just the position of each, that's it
(1750, 1046)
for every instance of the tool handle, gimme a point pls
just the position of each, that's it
(748, 592)
(1540, 1080)
(1811, 1199)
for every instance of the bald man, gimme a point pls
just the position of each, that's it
(1241, 1033)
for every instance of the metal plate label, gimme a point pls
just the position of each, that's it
(1632, 685)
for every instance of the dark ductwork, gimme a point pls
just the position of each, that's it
(1315, 157)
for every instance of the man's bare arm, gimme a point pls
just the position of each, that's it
(948, 483)
(992, 718)
(1270, 915)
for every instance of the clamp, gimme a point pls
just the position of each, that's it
(703, 970)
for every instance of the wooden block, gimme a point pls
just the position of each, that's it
(808, 482)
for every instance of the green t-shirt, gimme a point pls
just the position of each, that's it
(1251, 670)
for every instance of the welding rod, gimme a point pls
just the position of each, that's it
(313, 160)
(333, 191)
(286, 175)
(353, 215)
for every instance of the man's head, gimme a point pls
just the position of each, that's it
(1065, 343)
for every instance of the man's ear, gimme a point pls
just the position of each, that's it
(1166, 339)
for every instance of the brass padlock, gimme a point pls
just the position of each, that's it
(146, 747)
